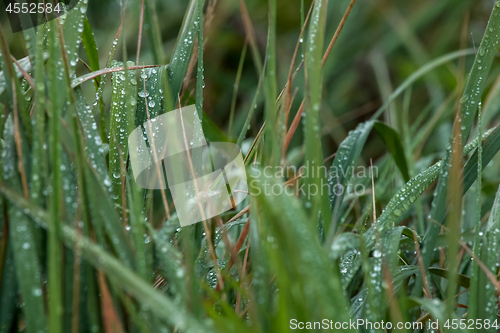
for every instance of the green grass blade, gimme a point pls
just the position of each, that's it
(150, 95)
(90, 46)
(283, 218)
(39, 159)
(121, 96)
(393, 143)
(58, 97)
(314, 84)
(345, 159)
(183, 49)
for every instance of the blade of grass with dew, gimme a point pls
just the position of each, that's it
(142, 291)
(393, 143)
(104, 215)
(314, 84)
(39, 169)
(183, 49)
(171, 260)
(469, 102)
(486, 292)
(58, 98)
(96, 150)
(474, 270)
(26, 261)
(339, 175)
(98, 103)
(401, 274)
(29, 38)
(372, 269)
(137, 229)
(73, 27)
(150, 95)
(119, 127)
(200, 84)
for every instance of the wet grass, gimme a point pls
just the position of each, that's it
(395, 102)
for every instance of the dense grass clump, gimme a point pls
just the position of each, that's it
(370, 138)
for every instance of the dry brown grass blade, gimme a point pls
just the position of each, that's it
(293, 126)
(254, 141)
(111, 321)
(427, 291)
(239, 243)
(337, 32)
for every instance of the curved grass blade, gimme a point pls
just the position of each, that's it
(393, 143)
(418, 74)
(96, 150)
